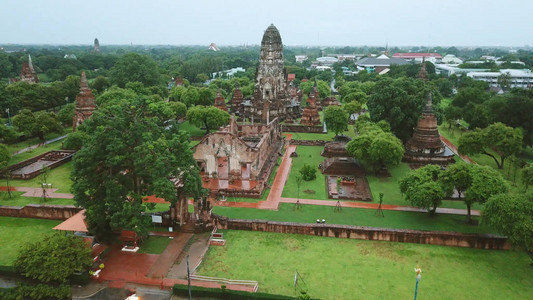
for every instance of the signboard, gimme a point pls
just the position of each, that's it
(157, 219)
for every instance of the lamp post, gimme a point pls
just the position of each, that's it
(418, 276)
(8, 117)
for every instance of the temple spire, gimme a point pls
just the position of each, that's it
(429, 104)
(83, 82)
(30, 64)
(423, 74)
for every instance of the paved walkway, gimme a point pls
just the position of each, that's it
(39, 145)
(452, 147)
(160, 268)
(38, 192)
(196, 254)
(350, 204)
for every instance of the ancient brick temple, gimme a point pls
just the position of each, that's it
(271, 98)
(220, 102)
(238, 159)
(27, 73)
(310, 116)
(85, 104)
(425, 146)
(331, 100)
(236, 100)
(179, 81)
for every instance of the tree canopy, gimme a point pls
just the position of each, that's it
(37, 124)
(336, 119)
(511, 215)
(374, 146)
(425, 188)
(135, 67)
(130, 152)
(209, 117)
(495, 140)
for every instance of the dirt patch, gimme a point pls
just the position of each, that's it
(309, 192)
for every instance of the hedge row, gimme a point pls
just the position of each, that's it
(196, 291)
(39, 291)
(7, 271)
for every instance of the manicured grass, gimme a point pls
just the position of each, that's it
(389, 186)
(34, 152)
(191, 129)
(34, 141)
(320, 136)
(160, 207)
(306, 155)
(58, 177)
(19, 200)
(154, 245)
(356, 216)
(353, 269)
(15, 232)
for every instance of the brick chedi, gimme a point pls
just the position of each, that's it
(27, 73)
(236, 100)
(85, 104)
(310, 116)
(271, 98)
(425, 146)
(220, 102)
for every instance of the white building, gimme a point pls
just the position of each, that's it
(519, 78)
(300, 58)
(451, 59)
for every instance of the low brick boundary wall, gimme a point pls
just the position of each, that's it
(40, 211)
(308, 142)
(303, 129)
(55, 164)
(442, 238)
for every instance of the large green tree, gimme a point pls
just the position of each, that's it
(135, 67)
(511, 215)
(37, 124)
(486, 182)
(425, 188)
(130, 152)
(209, 117)
(336, 119)
(527, 175)
(54, 259)
(374, 146)
(497, 140)
(399, 102)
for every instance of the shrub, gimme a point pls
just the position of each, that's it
(308, 172)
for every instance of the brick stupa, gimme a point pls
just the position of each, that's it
(310, 116)
(236, 100)
(85, 104)
(425, 146)
(220, 103)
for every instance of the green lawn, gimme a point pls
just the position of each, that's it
(191, 129)
(320, 136)
(15, 232)
(37, 151)
(353, 269)
(19, 200)
(58, 177)
(34, 141)
(355, 216)
(306, 155)
(154, 245)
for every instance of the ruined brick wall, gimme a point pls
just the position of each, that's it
(302, 128)
(40, 211)
(308, 142)
(442, 238)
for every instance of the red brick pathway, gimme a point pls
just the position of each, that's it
(452, 147)
(160, 268)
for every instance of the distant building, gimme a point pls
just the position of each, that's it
(519, 78)
(228, 73)
(300, 58)
(327, 60)
(343, 57)
(213, 47)
(431, 57)
(451, 59)
(380, 64)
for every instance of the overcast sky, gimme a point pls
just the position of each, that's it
(234, 22)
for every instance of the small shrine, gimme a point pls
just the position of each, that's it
(220, 102)
(236, 100)
(310, 115)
